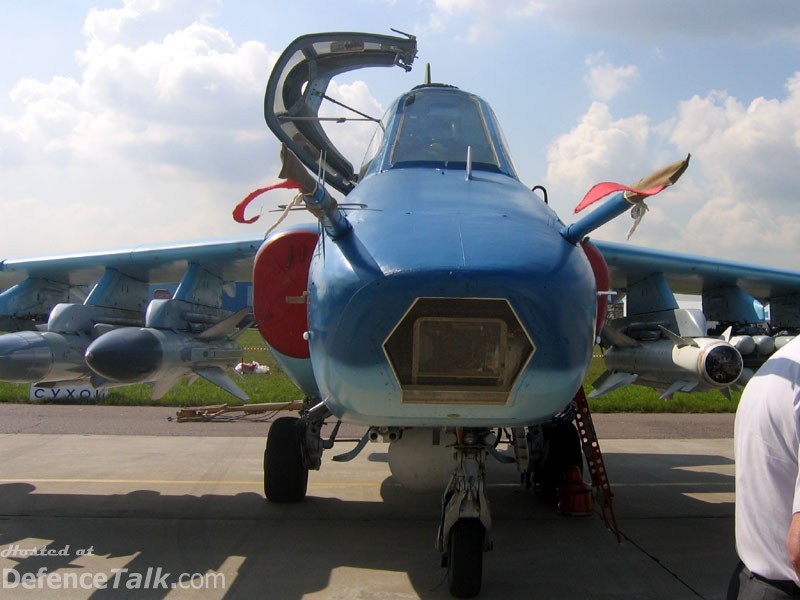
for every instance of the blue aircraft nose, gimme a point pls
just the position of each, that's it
(463, 305)
(25, 357)
(129, 355)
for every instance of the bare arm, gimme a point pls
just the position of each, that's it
(793, 542)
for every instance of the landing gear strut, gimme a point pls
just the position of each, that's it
(466, 520)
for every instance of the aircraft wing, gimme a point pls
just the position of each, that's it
(231, 258)
(693, 274)
(62, 329)
(659, 344)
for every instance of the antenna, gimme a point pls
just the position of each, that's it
(428, 74)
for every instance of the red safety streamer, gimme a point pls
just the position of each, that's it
(601, 190)
(238, 212)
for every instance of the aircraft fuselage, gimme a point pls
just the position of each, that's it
(452, 301)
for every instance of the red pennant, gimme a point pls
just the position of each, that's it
(238, 212)
(601, 190)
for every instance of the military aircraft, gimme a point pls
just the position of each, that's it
(440, 302)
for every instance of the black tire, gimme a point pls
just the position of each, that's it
(285, 473)
(465, 558)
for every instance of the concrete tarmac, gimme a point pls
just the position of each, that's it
(182, 515)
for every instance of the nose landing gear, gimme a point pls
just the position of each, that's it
(466, 520)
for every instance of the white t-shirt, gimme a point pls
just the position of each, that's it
(766, 435)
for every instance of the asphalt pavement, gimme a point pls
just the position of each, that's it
(124, 502)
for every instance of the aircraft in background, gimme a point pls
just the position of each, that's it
(442, 304)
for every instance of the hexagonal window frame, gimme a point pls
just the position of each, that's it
(468, 351)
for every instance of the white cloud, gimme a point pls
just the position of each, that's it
(353, 137)
(606, 80)
(739, 197)
(157, 139)
(599, 147)
(484, 18)
(140, 21)
(749, 157)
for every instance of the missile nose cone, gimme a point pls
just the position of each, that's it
(24, 357)
(129, 354)
(724, 364)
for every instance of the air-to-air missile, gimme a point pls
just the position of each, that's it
(669, 364)
(162, 356)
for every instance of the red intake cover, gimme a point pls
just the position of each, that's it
(601, 277)
(280, 278)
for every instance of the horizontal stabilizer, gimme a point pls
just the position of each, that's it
(610, 381)
(219, 378)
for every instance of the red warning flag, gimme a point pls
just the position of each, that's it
(238, 212)
(601, 190)
(648, 186)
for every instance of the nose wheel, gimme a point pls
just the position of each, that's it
(466, 520)
(465, 558)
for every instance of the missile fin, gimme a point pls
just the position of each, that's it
(60, 383)
(679, 386)
(219, 378)
(614, 337)
(679, 341)
(226, 326)
(162, 386)
(610, 381)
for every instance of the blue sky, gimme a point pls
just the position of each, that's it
(139, 121)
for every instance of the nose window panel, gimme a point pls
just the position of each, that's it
(458, 351)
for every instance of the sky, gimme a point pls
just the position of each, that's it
(128, 122)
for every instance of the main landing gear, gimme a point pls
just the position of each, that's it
(294, 445)
(285, 471)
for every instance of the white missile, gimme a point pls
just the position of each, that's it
(671, 365)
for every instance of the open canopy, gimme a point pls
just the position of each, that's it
(298, 85)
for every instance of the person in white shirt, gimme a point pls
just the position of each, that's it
(766, 438)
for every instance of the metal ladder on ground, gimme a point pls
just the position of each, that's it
(594, 460)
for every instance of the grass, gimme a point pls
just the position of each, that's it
(276, 387)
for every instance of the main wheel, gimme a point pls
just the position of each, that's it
(465, 558)
(563, 452)
(285, 473)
